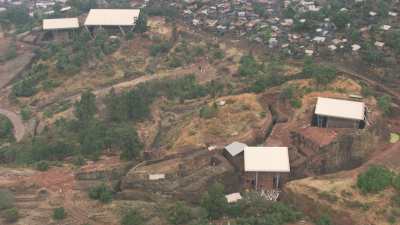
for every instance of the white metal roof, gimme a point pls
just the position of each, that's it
(235, 148)
(60, 23)
(112, 17)
(156, 176)
(234, 197)
(266, 159)
(340, 108)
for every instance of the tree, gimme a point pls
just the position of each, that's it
(341, 19)
(83, 5)
(85, 108)
(372, 55)
(101, 193)
(396, 182)
(259, 9)
(92, 138)
(214, 201)
(324, 75)
(141, 23)
(6, 128)
(59, 213)
(208, 112)
(17, 15)
(324, 220)
(24, 88)
(125, 138)
(308, 66)
(385, 104)
(179, 214)
(248, 66)
(393, 40)
(132, 217)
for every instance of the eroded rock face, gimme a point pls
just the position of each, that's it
(330, 150)
(183, 177)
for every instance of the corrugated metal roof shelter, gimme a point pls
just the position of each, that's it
(112, 17)
(266, 159)
(234, 197)
(60, 24)
(340, 108)
(156, 176)
(235, 148)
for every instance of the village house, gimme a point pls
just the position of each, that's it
(265, 168)
(336, 113)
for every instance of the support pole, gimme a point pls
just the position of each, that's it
(122, 30)
(90, 34)
(277, 181)
(256, 181)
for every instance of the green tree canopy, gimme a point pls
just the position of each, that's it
(385, 103)
(214, 201)
(85, 108)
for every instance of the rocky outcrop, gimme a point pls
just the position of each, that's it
(185, 177)
(325, 150)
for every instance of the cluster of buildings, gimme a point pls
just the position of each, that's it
(268, 168)
(264, 21)
(39, 7)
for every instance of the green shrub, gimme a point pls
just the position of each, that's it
(59, 213)
(101, 193)
(174, 62)
(208, 112)
(374, 180)
(248, 66)
(6, 199)
(214, 201)
(324, 220)
(296, 103)
(396, 182)
(132, 217)
(218, 54)
(160, 48)
(26, 113)
(253, 209)
(129, 35)
(396, 200)
(79, 160)
(6, 128)
(11, 215)
(42, 166)
(385, 103)
(179, 214)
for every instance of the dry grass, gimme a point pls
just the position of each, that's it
(240, 115)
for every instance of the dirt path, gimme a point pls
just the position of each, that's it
(19, 127)
(208, 73)
(375, 84)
